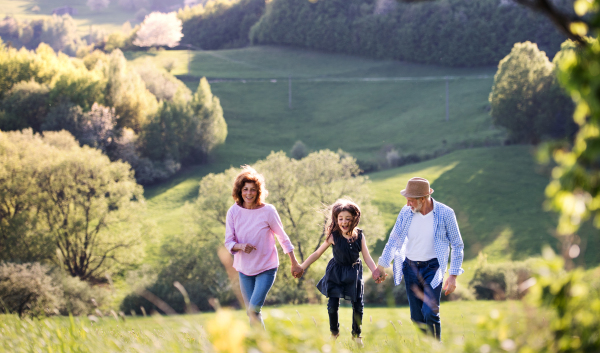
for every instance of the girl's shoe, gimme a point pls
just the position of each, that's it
(334, 336)
(359, 342)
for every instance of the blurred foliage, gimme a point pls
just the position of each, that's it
(220, 24)
(499, 281)
(453, 32)
(68, 205)
(575, 187)
(59, 32)
(527, 100)
(562, 313)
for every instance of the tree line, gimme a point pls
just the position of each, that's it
(138, 114)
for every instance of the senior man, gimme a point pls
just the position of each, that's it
(419, 245)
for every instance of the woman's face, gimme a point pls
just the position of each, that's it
(249, 193)
(344, 220)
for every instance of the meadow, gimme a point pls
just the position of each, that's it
(291, 328)
(110, 19)
(496, 191)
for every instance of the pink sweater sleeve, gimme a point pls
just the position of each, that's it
(230, 238)
(277, 228)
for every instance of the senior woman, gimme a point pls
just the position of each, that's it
(251, 228)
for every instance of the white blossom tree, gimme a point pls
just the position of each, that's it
(159, 29)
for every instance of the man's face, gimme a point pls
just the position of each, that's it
(415, 204)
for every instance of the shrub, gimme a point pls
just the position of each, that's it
(299, 150)
(27, 289)
(500, 281)
(385, 293)
(78, 297)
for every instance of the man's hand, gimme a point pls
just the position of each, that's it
(450, 285)
(379, 274)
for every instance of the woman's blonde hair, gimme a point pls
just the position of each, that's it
(249, 175)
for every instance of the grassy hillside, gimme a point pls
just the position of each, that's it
(338, 101)
(497, 192)
(333, 106)
(110, 19)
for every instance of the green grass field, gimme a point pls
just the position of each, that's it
(497, 192)
(289, 328)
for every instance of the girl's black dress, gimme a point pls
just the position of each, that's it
(343, 276)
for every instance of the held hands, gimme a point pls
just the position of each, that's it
(379, 274)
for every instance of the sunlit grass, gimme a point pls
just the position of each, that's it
(289, 328)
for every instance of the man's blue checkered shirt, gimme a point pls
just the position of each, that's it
(446, 234)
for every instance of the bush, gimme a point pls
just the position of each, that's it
(27, 289)
(299, 150)
(500, 281)
(78, 297)
(385, 293)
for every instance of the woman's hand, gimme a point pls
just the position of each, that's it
(297, 270)
(247, 248)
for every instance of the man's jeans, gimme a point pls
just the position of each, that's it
(423, 300)
(254, 290)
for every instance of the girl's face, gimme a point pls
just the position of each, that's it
(249, 193)
(344, 220)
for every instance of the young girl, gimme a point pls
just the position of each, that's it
(343, 276)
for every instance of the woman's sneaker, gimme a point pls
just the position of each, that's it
(359, 342)
(334, 336)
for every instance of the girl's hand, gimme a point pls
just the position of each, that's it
(297, 271)
(247, 248)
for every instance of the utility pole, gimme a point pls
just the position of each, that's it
(290, 92)
(447, 102)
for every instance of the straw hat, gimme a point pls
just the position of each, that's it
(417, 187)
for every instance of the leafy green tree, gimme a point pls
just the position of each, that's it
(23, 235)
(186, 130)
(526, 99)
(25, 105)
(207, 108)
(87, 207)
(127, 93)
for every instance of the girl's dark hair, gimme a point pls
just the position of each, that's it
(249, 175)
(338, 207)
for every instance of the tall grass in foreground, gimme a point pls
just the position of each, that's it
(561, 313)
(301, 328)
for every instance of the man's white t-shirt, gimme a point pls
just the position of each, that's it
(420, 246)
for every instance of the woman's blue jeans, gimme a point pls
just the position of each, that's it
(423, 300)
(254, 290)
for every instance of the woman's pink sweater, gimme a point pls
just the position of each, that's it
(257, 227)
